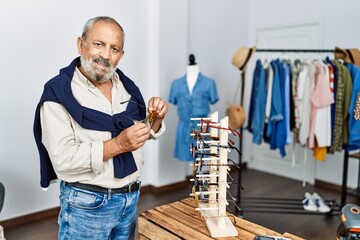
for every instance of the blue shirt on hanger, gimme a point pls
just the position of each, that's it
(189, 106)
(276, 128)
(281, 133)
(254, 90)
(259, 98)
(287, 101)
(354, 125)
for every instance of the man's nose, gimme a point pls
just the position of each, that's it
(105, 53)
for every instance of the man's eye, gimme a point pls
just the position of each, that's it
(115, 50)
(97, 45)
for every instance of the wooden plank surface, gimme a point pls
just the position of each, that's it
(190, 212)
(243, 225)
(180, 220)
(149, 230)
(254, 228)
(244, 235)
(293, 237)
(142, 237)
(181, 217)
(190, 202)
(246, 229)
(174, 226)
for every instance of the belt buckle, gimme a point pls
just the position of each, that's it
(133, 186)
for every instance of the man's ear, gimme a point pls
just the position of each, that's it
(79, 43)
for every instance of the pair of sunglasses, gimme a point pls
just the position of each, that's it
(205, 126)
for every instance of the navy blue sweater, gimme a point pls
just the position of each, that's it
(58, 90)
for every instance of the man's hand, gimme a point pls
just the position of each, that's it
(133, 137)
(130, 139)
(159, 106)
(158, 109)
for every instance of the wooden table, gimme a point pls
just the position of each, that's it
(180, 220)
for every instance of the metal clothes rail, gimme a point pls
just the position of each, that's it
(297, 50)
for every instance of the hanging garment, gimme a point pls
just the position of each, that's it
(287, 101)
(335, 71)
(276, 130)
(323, 131)
(269, 81)
(332, 90)
(342, 101)
(336, 144)
(354, 109)
(357, 107)
(347, 91)
(320, 126)
(189, 106)
(281, 132)
(259, 92)
(276, 108)
(295, 70)
(305, 91)
(253, 95)
(331, 77)
(319, 152)
(290, 97)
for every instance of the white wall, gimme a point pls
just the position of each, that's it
(341, 28)
(173, 33)
(38, 37)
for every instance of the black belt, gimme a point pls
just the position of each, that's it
(132, 187)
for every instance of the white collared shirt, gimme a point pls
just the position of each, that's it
(77, 153)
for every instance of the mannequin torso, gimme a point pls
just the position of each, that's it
(191, 76)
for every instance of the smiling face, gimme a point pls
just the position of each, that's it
(101, 50)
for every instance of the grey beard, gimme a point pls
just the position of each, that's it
(87, 66)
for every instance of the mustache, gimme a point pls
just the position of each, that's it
(102, 61)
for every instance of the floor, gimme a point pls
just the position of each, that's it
(279, 215)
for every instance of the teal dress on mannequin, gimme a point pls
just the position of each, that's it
(196, 105)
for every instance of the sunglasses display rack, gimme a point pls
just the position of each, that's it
(210, 174)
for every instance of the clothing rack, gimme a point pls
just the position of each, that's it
(268, 204)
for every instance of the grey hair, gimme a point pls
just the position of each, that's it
(90, 23)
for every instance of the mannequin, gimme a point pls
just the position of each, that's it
(192, 93)
(192, 73)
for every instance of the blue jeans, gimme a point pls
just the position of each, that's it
(90, 215)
